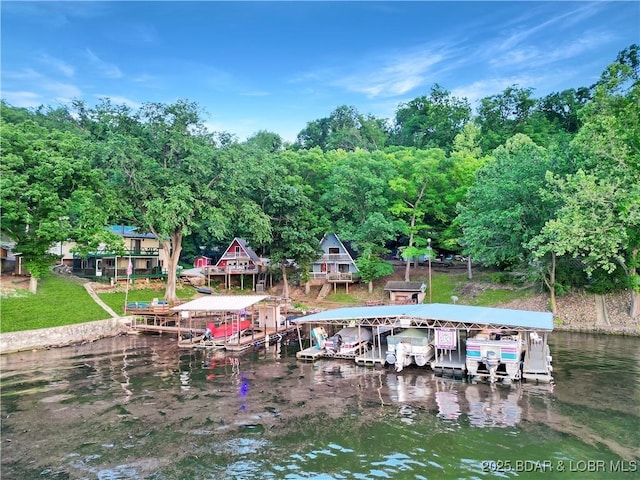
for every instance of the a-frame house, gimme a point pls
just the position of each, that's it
(335, 266)
(237, 261)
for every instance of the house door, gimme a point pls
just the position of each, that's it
(98, 267)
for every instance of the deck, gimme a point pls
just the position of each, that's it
(450, 364)
(253, 339)
(376, 355)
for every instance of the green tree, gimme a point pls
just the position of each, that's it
(49, 191)
(164, 162)
(503, 209)
(598, 220)
(417, 171)
(345, 129)
(294, 234)
(431, 121)
(503, 115)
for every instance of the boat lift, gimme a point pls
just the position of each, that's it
(452, 324)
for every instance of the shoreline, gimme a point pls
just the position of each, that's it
(88, 332)
(65, 336)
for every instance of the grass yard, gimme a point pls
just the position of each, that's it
(445, 285)
(59, 301)
(116, 300)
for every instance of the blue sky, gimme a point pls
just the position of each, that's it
(277, 65)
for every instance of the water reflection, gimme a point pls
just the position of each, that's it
(141, 408)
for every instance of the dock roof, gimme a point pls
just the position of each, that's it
(220, 303)
(435, 315)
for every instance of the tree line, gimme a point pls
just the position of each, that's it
(549, 186)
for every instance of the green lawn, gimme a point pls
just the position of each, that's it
(59, 301)
(446, 285)
(63, 301)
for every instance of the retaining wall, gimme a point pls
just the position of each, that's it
(63, 336)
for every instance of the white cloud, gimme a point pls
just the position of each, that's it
(23, 99)
(107, 69)
(59, 65)
(386, 74)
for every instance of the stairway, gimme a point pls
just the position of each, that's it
(324, 291)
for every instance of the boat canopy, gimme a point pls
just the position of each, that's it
(434, 315)
(220, 303)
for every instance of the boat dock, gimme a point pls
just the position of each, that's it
(188, 321)
(374, 356)
(311, 354)
(452, 326)
(451, 363)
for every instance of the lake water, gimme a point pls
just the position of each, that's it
(138, 407)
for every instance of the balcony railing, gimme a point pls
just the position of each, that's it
(235, 256)
(335, 257)
(232, 270)
(127, 252)
(332, 276)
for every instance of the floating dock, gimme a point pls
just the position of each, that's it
(450, 363)
(452, 326)
(375, 356)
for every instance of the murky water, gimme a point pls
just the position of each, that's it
(138, 407)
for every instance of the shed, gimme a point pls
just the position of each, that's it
(405, 292)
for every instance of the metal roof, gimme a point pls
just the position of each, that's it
(129, 231)
(221, 303)
(398, 286)
(435, 315)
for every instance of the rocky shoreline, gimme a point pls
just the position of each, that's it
(578, 312)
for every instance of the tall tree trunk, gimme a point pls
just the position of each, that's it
(33, 284)
(370, 286)
(407, 274)
(174, 246)
(552, 282)
(634, 312)
(285, 282)
(635, 304)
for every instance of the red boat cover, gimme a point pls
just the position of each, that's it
(225, 330)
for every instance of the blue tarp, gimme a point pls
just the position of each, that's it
(463, 314)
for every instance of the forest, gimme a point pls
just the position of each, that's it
(549, 187)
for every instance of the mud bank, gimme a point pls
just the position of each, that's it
(63, 336)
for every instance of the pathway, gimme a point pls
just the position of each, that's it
(99, 301)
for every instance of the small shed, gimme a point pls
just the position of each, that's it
(201, 261)
(405, 292)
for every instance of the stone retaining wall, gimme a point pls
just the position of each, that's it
(62, 336)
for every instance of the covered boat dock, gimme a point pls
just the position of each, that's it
(448, 322)
(231, 312)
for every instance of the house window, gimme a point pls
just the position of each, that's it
(136, 245)
(343, 268)
(334, 250)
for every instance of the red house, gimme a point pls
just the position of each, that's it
(237, 261)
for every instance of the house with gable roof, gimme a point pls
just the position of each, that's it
(238, 260)
(142, 258)
(336, 265)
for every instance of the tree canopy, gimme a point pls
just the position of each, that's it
(523, 182)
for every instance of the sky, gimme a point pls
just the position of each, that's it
(276, 66)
